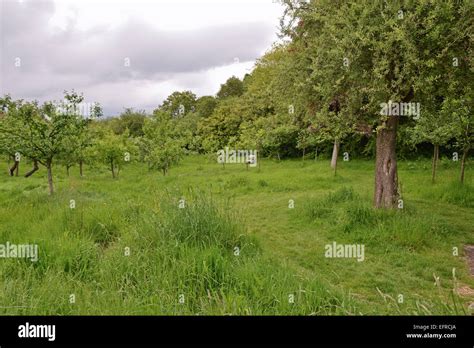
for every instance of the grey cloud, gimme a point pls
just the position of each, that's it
(65, 59)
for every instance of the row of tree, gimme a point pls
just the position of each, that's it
(322, 88)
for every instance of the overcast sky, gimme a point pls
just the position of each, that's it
(127, 53)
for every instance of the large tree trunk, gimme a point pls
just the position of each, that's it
(32, 171)
(80, 168)
(435, 162)
(49, 166)
(463, 163)
(335, 154)
(386, 177)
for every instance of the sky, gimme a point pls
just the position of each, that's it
(126, 53)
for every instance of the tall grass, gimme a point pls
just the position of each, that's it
(236, 247)
(194, 260)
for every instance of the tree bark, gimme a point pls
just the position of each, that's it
(50, 177)
(435, 162)
(80, 168)
(14, 169)
(33, 170)
(463, 163)
(67, 170)
(335, 154)
(386, 176)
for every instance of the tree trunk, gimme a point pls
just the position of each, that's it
(335, 154)
(50, 177)
(80, 168)
(386, 176)
(304, 150)
(14, 168)
(32, 171)
(112, 168)
(463, 163)
(435, 162)
(67, 170)
(17, 169)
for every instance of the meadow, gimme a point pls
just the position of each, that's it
(209, 240)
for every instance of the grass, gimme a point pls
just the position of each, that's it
(236, 248)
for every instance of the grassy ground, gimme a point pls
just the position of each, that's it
(236, 247)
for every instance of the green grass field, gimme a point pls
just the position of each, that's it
(236, 248)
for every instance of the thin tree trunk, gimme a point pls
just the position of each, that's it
(33, 170)
(15, 166)
(80, 168)
(67, 170)
(50, 177)
(386, 176)
(112, 169)
(463, 163)
(335, 154)
(304, 150)
(17, 169)
(435, 162)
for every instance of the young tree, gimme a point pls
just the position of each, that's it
(7, 146)
(113, 150)
(81, 139)
(40, 132)
(437, 130)
(161, 144)
(460, 109)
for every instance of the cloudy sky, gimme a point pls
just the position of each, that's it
(130, 53)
